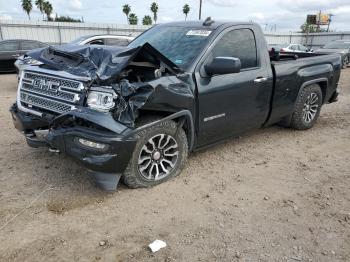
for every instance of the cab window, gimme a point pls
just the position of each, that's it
(9, 46)
(96, 42)
(117, 42)
(240, 44)
(29, 45)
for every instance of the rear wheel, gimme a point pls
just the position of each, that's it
(307, 108)
(160, 154)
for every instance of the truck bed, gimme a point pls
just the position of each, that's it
(290, 74)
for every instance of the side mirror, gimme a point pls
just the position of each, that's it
(223, 65)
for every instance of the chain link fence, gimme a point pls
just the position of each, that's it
(60, 33)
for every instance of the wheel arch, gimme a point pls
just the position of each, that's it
(183, 119)
(322, 82)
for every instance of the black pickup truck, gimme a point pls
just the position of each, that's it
(136, 112)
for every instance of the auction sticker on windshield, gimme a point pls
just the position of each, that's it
(199, 32)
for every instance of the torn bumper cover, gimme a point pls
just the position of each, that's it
(97, 132)
(106, 151)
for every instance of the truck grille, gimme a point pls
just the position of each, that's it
(48, 93)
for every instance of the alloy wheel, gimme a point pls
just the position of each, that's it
(310, 108)
(158, 157)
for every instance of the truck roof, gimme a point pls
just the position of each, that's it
(214, 25)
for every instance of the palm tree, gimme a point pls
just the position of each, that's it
(186, 10)
(147, 20)
(154, 9)
(47, 8)
(40, 5)
(126, 11)
(27, 6)
(133, 19)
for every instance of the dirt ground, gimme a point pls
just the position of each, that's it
(272, 195)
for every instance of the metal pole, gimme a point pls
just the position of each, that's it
(200, 9)
(1, 37)
(329, 21)
(59, 35)
(318, 23)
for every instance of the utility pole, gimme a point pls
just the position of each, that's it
(200, 9)
(319, 21)
(329, 21)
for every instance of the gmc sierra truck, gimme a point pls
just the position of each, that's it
(136, 112)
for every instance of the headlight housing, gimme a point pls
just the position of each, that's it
(30, 61)
(101, 100)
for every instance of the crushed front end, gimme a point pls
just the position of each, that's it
(84, 101)
(58, 120)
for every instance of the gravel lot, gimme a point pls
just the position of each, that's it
(272, 195)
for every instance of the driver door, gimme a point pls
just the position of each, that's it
(230, 104)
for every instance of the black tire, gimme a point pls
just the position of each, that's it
(133, 177)
(299, 121)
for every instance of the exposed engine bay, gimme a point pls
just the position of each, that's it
(121, 80)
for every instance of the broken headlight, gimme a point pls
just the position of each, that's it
(101, 100)
(27, 60)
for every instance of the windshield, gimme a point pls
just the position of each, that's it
(181, 45)
(337, 45)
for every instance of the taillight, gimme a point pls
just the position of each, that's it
(282, 50)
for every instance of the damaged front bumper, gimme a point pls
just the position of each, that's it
(105, 151)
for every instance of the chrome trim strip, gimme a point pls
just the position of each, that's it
(19, 105)
(80, 86)
(58, 74)
(213, 117)
(75, 98)
(49, 100)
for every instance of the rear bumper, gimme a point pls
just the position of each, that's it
(112, 159)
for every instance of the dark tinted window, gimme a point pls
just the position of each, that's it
(303, 48)
(117, 42)
(9, 46)
(29, 45)
(240, 44)
(293, 47)
(96, 42)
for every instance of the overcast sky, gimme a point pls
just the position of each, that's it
(285, 14)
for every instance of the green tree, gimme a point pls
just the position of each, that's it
(66, 19)
(310, 28)
(47, 8)
(186, 10)
(126, 11)
(27, 6)
(147, 20)
(133, 20)
(40, 5)
(154, 9)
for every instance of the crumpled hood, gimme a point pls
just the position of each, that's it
(142, 77)
(102, 64)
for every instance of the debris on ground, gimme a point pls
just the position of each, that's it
(156, 245)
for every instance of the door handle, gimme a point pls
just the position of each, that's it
(260, 80)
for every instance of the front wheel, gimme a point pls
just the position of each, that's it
(160, 154)
(307, 108)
